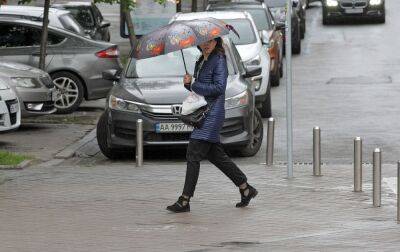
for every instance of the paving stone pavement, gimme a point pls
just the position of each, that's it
(120, 207)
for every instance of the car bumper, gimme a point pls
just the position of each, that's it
(122, 129)
(366, 12)
(9, 121)
(36, 101)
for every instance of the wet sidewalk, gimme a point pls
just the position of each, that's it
(120, 207)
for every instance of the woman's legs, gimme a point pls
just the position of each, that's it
(220, 159)
(196, 151)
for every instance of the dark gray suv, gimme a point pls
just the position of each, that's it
(152, 90)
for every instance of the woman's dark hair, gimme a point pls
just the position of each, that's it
(218, 47)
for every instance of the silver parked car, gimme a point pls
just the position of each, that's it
(57, 18)
(75, 63)
(10, 113)
(152, 90)
(34, 88)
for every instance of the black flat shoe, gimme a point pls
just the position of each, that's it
(245, 200)
(181, 206)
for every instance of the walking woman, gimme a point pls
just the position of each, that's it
(211, 75)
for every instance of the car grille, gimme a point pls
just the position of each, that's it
(13, 116)
(159, 116)
(351, 4)
(47, 81)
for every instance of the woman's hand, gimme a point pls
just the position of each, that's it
(187, 79)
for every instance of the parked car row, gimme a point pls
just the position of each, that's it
(75, 59)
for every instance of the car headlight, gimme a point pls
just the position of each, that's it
(239, 100)
(332, 3)
(375, 2)
(256, 61)
(121, 104)
(26, 82)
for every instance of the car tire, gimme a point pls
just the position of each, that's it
(255, 143)
(325, 19)
(70, 90)
(101, 134)
(303, 29)
(296, 49)
(266, 110)
(381, 19)
(275, 79)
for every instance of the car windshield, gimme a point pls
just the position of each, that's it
(259, 15)
(83, 15)
(245, 30)
(70, 24)
(276, 3)
(168, 65)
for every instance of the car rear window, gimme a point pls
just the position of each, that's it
(71, 24)
(83, 15)
(169, 65)
(244, 28)
(259, 15)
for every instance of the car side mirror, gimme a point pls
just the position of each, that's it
(295, 3)
(104, 24)
(252, 71)
(280, 26)
(111, 74)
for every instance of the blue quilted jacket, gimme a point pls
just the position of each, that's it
(211, 83)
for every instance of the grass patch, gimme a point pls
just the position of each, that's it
(8, 158)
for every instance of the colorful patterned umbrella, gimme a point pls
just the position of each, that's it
(180, 35)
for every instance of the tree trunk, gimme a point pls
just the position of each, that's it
(43, 42)
(129, 23)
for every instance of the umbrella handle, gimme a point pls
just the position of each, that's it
(184, 62)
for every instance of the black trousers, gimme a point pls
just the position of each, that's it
(199, 150)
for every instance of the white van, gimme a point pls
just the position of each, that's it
(10, 111)
(58, 18)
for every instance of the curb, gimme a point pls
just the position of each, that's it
(70, 150)
(19, 166)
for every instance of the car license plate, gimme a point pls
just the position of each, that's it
(173, 127)
(14, 108)
(354, 11)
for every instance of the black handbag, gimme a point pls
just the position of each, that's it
(196, 119)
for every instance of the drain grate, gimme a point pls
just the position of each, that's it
(360, 80)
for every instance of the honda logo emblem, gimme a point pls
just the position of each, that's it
(176, 109)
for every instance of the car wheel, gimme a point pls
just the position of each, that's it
(255, 143)
(101, 134)
(265, 110)
(303, 29)
(70, 92)
(296, 49)
(325, 19)
(381, 19)
(275, 79)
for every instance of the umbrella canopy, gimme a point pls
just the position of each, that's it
(180, 35)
